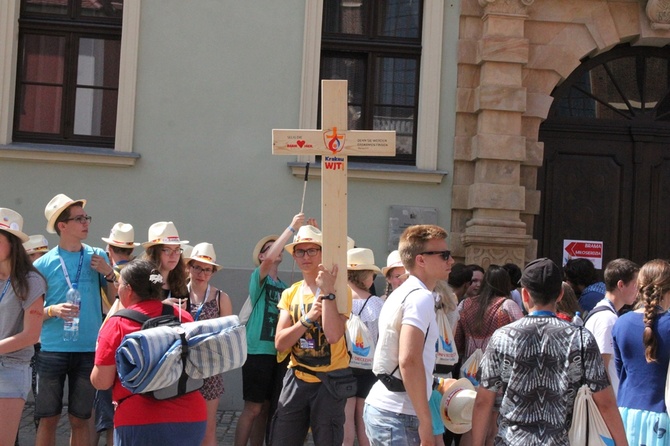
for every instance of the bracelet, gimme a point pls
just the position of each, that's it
(49, 311)
(308, 320)
(290, 228)
(108, 274)
(303, 323)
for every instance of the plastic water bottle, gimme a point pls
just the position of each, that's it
(71, 328)
(577, 320)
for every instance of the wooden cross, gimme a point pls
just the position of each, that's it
(334, 143)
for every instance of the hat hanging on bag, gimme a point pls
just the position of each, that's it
(121, 236)
(306, 234)
(392, 261)
(56, 207)
(259, 246)
(361, 259)
(458, 401)
(12, 222)
(163, 233)
(204, 252)
(36, 243)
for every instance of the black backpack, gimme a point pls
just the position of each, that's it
(167, 318)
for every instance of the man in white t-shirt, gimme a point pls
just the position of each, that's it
(620, 284)
(406, 414)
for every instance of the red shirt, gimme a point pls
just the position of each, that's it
(140, 409)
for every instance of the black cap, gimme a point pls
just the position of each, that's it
(542, 276)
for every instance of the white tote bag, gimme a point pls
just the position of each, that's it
(470, 367)
(588, 426)
(246, 310)
(446, 354)
(360, 343)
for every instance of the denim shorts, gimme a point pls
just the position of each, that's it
(52, 369)
(384, 428)
(14, 378)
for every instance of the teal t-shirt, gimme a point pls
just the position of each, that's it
(89, 283)
(262, 323)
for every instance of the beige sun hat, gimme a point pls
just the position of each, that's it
(121, 236)
(56, 207)
(257, 249)
(306, 234)
(36, 243)
(361, 259)
(392, 261)
(12, 222)
(204, 252)
(187, 250)
(458, 401)
(163, 233)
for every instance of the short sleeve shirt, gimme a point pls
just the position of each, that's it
(535, 362)
(262, 323)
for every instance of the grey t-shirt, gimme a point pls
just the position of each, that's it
(12, 310)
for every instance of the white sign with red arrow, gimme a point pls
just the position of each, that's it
(583, 249)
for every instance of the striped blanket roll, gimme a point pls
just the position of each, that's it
(149, 360)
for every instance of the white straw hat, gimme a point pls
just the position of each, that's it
(121, 236)
(36, 243)
(163, 233)
(361, 259)
(458, 401)
(204, 252)
(392, 261)
(306, 234)
(56, 207)
(12, 222)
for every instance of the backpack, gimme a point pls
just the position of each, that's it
(446, 354)
(360, 343)
(167, 318)
(598, 310)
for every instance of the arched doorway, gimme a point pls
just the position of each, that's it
(606, 170)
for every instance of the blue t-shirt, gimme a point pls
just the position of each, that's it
(262, 323)
(89, 284)
(641, 383)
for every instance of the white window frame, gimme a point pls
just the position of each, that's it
(122, 155)
(428, 118)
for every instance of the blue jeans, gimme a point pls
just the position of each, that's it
(387, 428)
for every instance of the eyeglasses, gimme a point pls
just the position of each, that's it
(80, 219)
(300, 253)
(172, 252)
(198, 269)
(445, 254)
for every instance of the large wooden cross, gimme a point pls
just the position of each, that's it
(334, 143)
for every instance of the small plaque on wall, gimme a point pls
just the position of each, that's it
(400, 217)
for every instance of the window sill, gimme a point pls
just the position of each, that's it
(376, 172)
(91, 156)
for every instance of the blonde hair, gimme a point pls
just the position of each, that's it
(413, 241)
(447, 301)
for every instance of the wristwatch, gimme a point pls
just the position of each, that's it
(330, 296)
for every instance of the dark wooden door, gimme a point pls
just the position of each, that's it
(606, 170)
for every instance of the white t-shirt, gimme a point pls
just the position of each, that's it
(600, 325)
(419, 311)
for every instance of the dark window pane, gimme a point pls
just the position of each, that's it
(344, 17)
(43, 58)
(397, 81)
(656, 81)
(98, 62)
(95, 112)
(102, 8)
(40, 109)
(51, 7)
(400, 18)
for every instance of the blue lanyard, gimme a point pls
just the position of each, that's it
(542, 313)
(4, 290)
(64, 268)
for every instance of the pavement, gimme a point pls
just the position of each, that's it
(225, 428)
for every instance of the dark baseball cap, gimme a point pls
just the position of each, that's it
(542, 276)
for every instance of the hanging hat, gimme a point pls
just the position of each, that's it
(12, 222)
(121, 236)
(36, 243)
(351, 243)
(187, 250)
(458, 401)
(257, 249)
(56, 207)
(361, 259)
(306, 234)
(163, 233)
(203, 252)
(392, 261)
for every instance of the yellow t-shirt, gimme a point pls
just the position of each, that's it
(323, 357)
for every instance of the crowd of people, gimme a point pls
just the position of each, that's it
(447, 353)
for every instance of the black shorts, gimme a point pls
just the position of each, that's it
(365, 380)
(262, 377)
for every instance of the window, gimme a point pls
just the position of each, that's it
(67, 83)
(376, 46)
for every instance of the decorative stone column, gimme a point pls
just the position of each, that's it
(496, 197)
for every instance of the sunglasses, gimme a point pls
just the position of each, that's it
(445, 254)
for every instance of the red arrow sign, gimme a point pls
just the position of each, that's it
(583, 249)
